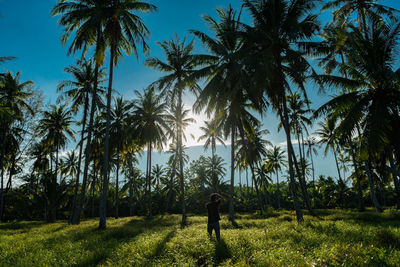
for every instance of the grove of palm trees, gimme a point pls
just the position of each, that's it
(75, 163)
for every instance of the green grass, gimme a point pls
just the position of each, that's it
(337, 238)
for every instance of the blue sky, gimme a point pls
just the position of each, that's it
(29, 33)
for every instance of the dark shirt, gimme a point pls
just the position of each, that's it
(213, 214)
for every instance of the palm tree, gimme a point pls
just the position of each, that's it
(13, 100)
(119, 132)
(224, 92)
(14, 96)
(311, 142)
(212, 133)
(123, 31)
(253, 148)
(70, 166)
(78, 92)
(215, 171)
(327, 136)
(55, 128)
(157, 174)
(151, 128)
(374, 100)
(298, 121)
(84, 20)
(281, 32)
(363, 8)
(180, 64)
(275, 161)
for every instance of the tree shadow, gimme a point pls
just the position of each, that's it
(20, 225)
(235, 224)
(161, 246)
(222, 251)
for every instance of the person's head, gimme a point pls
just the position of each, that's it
(214, 197)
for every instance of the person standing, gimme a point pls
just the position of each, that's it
(213, 215)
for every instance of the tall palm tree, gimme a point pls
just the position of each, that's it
(119, 134)
(84, 20)
(224, 93)
(13, 100)
(311, 142)
(275, 161)
(277, 41)
(151, 128)
(124, 31)
(78, 91)
(179, 66)
(327, 136)
(299, 120)
(374, 100)
(55, 128)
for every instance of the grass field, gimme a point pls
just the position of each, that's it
(337, 238)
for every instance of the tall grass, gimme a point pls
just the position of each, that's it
(337, 238)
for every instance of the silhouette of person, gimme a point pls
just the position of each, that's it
(213, 215)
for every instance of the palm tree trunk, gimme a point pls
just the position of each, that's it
(247, 180)
(285, 123)
(257, 191)
(277, 189)
(372, 188)
(303, 185)
(395, 178)
(337, 164)
(313, 175)
(149, 182)
(93, 191)
(77, 213)
(358, 182)
(85, 110)
(103, 198)
(180, 149)
(116, 188)
(232, 186)
(1, 195)
(131, 206)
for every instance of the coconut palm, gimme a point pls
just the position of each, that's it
(124, 31)
(151, 128)
(311, 142)
(70, 166)
(157, 175)
(328, 136)
(275, 161)
(55, 128)
(215, 171)
(84, 20)
(299, 120)
(119, 132)
(13, 100)
(345, 9)
(252, 145)
(212, 133)
(14, 96)
(375, 98)
(278, 44)
(78, 91)
(179, 66)
(224, 93)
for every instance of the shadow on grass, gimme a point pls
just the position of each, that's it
(20, 225)
(161, 246)
(222, 251)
